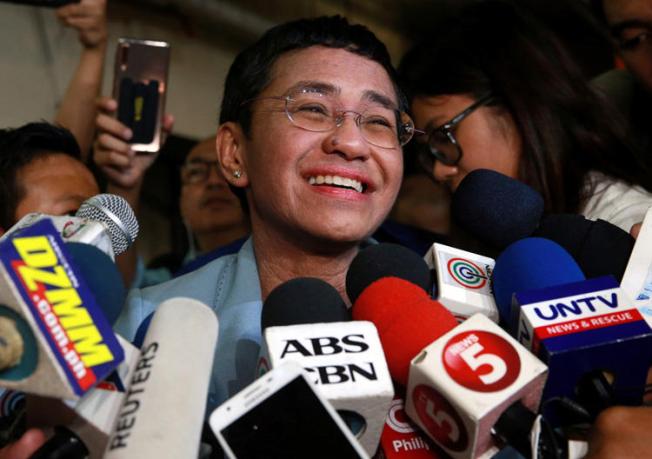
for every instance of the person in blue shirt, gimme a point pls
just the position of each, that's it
(311, 135)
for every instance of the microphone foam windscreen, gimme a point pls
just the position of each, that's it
(495, 208)
(102, 277)
(406, 318)
(598, 247)
(304, 300)
(528, 264)
(116, 214)
(385, 260)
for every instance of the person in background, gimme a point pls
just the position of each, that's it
(41, 171)
(492, 88)
(215, 221)
(629, 23)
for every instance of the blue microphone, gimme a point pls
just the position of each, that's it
(531, 263)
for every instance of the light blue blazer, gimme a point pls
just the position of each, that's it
(231, 287)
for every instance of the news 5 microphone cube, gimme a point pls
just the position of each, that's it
(347, 363)
(92, 417)
(61, 345)
(583, 327)
(461, 384)
(463, 281)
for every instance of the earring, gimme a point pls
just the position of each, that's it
(237, 173)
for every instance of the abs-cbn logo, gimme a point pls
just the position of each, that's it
(481, 361)
(336, 373)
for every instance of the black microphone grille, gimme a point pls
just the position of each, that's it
(303, 300)
(385, 260)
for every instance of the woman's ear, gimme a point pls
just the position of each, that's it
(229, 144)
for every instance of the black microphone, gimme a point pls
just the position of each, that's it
(388, 260)
(495, 208)
(598, 247)
(305, 320)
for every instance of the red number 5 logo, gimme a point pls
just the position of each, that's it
(481, 361)
(439, 418)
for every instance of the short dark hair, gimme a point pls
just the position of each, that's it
(18, 148)
(249, 74)
(566, 128)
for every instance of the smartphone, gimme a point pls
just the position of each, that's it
(280, 415)
(50, 3)
(139, 86)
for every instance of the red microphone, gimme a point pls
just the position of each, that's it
(415, 332)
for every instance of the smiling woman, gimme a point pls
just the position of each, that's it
(312, 125)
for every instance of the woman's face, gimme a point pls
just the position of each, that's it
(329, 186)
(487, 137)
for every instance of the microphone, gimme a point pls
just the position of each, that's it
(409, 321)
(105, 221)
(58, 341)
(500, 210)
(157, 419)
(636, 279)
(402, 439)
(116, 214)
(598, 247)
(383, 260)
(305, 321)
(102, 277)
(528, 264)
(463, 379)
(586, 332)
(495, 208)
(82, 427)
(463, 281)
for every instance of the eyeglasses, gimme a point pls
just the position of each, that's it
(633, 36)
(442, 144)
(197, 171)
(314, 111)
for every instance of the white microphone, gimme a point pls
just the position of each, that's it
(637, 280)
(463, 281)
(163, 411)
(461, 385)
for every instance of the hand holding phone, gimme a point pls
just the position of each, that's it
(281, 415)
